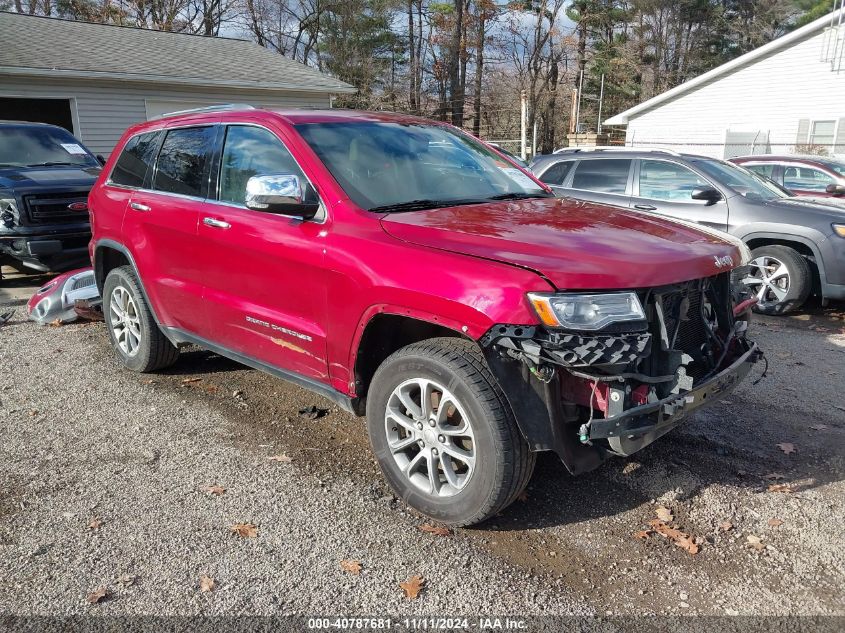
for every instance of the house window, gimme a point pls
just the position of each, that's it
(822, 133)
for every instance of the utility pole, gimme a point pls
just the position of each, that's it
(534, 139)
(523, 98)
(601, 99)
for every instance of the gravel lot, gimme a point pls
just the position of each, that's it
(83, 440)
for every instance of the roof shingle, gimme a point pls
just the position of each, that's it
(37, 45)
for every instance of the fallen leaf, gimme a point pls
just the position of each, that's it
(127, 580)
(785, 488)
(244, 530)
(523, 497)
(775, 476)
(206, 583)
(149, 381)
(98, 595)
(56, 323)
(664, 514)
(642, 534)
(95, 523)
(351, 566)
(756, 542)
(214, 490)
(434, 529)
(775, 522)
(187, 381)
(681, 539)
(787, 447)
(726, 526)
(819, 427)
(284, 459)
(412, 586)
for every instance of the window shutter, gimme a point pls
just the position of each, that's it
(839, 144)
(803, 132)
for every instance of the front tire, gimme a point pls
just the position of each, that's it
(138, 342)
(443, 433)
(780, 278)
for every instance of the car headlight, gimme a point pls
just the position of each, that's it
(586, 311)
(8, 212)
(839, 229)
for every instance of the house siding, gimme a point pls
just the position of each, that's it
(766, 99)
(103, 109)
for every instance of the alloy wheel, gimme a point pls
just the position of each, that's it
(430, 437)
(124, 321)
(769, 279)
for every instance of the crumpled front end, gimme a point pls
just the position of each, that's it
(590, 394)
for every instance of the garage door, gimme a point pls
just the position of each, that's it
(53, 111)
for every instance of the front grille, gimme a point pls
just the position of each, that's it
(52, 208)
(83, 282)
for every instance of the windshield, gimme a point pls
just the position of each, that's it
(839, 168)
(387, 166)
(741, 180)
(35, 146)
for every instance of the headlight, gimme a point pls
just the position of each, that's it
(839, 229)
(586, 311)
(8, 212)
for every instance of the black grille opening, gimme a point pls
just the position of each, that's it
(53, 208)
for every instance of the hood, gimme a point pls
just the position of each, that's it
(38, 177)
(820, 204)
(574, 244)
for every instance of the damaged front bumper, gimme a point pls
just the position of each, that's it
(589, 395)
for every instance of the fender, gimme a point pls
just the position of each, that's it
(807, 236)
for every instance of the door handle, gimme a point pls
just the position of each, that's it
(217, 224)
(645, 207)
(137, 206)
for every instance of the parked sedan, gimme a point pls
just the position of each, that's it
(798, 245)
(811, 176)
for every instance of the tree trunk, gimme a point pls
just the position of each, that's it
(413, 104)
(456, 96)
(479, 72)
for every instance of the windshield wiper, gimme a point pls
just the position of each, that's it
(521, 196)
(423, 204)
(56, 163)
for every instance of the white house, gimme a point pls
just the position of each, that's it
(785, 97)
(96, 80)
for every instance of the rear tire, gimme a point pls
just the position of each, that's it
(136, 338)
(459, 463)
(780, 277)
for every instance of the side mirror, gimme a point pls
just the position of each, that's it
(708, 194)
(282, 194)
(836, 190)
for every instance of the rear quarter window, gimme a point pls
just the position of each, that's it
(136, 160)
(557, 173)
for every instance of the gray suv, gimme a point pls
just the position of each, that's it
(798, 247)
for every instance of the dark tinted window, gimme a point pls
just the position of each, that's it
(605, 175)
(136, 158)
(183, 161)
(248, 152)
(557, 173)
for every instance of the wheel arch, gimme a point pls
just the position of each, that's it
(387, 329)
(799, 243)
(108, 255)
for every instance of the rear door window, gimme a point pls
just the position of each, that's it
(182, 165)
(762, 169)
(134, 165)
(557, 173)
(609, 175)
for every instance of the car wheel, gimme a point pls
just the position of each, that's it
(443, 433)
(780, 278)
(139, 343)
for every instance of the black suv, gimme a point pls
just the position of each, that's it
(798, 247)
(45, 176)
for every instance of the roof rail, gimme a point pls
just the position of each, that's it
(615, 148)
(214, 108)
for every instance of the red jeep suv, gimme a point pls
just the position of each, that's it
(413, 274)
